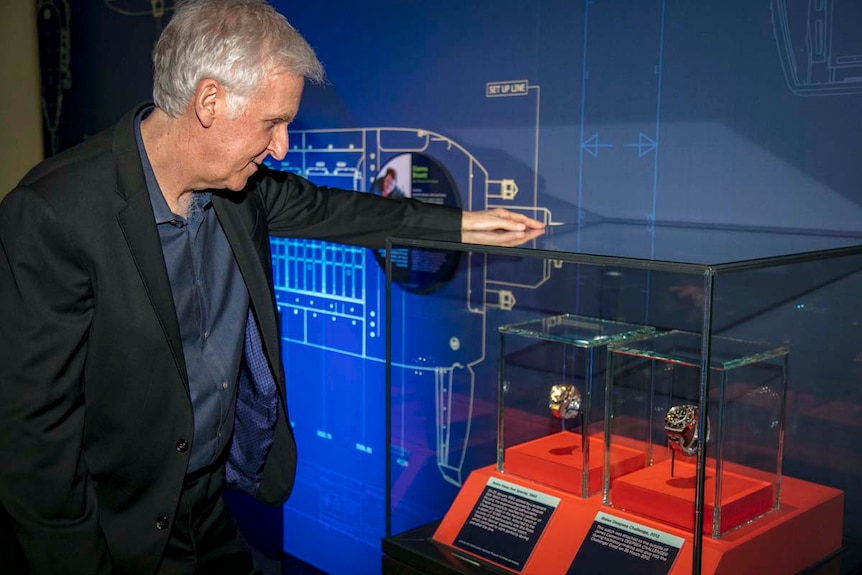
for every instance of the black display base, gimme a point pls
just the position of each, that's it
(415, 553)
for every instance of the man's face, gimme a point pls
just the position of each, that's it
(237, 146)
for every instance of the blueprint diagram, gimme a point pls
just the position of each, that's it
(330, 298)
(819, 45)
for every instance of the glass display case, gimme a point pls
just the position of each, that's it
(705, 381)
(654, 391)
(552, 401)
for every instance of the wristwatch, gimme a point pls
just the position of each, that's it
(680, 424)
(564, 401)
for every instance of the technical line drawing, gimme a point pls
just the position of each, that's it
(520, 88)
(819, 45)
(644, 145)
(321, 286)
(601, 76)
(591, 145)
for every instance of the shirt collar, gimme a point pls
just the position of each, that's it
(162, 212)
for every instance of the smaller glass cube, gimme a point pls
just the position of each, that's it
(552, 394)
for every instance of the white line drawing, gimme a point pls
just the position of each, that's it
(819, 45)
(599, 146)
(318, 282)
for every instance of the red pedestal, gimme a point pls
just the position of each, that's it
(558, 460)
(652, 492)
(805, 530)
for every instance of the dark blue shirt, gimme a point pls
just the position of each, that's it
(211, 302)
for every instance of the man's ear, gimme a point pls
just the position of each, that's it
(209, 101)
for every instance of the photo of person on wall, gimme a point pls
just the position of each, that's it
(387, 185)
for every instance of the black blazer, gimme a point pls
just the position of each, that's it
(94, 400)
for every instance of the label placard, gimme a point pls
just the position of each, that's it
(506, 523)
(614, 545)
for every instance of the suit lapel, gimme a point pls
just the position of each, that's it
(239, 235)
(137, 222)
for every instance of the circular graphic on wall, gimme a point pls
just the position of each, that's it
(420, 177)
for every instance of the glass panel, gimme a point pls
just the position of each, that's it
(552, 393)
(687, 245)
(660, 376)
(781, 339)
(814, 310)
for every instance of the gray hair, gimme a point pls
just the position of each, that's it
(235, 42)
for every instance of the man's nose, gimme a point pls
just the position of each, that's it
(278, 143)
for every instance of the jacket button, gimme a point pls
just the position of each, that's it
(162, 522)
(182, 445)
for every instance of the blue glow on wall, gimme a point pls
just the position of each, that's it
(645, 111)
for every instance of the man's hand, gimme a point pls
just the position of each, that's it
(498, 219)
(500, 237)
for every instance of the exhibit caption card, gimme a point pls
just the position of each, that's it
(506, 523)
(615, 545)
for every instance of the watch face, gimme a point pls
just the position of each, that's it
(564, 401)
(420, 177)
(680, 416)
(680, 424)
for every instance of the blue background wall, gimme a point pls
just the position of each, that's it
(714, 112)
(671, 109)
(743, 113)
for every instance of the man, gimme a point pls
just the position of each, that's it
(139, 359)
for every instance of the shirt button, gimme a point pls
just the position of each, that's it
(162, 522)
(182, 445)
(224, 385)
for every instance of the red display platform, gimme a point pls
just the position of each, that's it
(805, 530)
(652, 492)
(558, 460)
